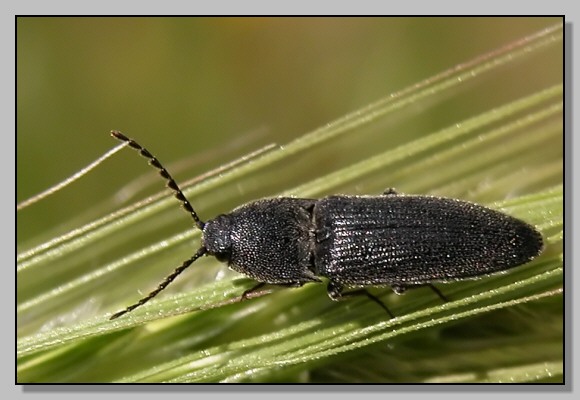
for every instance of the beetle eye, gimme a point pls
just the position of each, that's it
(223, 257)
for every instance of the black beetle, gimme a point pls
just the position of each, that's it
(400, 241)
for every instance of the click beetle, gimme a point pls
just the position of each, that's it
(395, 240)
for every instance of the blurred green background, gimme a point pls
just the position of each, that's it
(214, 88)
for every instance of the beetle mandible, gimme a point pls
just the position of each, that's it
(395, 240)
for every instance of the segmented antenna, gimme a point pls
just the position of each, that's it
(186, 205)
(171, 184)
(162, 285)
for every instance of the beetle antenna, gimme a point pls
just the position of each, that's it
(171, 184)
(168, 279)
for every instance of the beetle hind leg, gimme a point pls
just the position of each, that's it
(336, 293)
(438, 293)
(400, 289)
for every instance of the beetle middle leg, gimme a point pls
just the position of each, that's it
(335, 292)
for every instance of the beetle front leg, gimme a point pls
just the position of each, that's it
(249, 291)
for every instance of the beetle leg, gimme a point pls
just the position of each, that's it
(244, 295)
(400, 289)
(335, 292)
(438, 292)
(260, 285)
